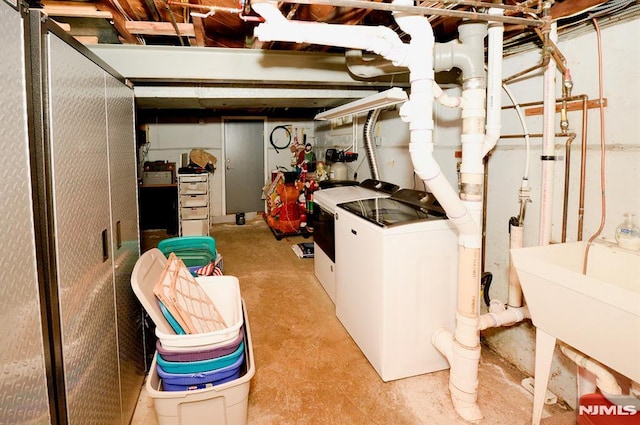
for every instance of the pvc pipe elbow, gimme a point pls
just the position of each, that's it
(446, 100)
(604, 379)
(442, 339)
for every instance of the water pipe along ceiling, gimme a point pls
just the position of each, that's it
(230, 23)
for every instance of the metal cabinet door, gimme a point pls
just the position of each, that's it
(123, 186)
(82, 235)
(23, 387)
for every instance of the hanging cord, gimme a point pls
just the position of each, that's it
(603, 197)
(273, 143)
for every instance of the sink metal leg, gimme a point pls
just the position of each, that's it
(545, 345)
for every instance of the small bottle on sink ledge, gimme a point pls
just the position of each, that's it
(627, 233)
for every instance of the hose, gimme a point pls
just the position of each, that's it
(485, 283)
(273, 143)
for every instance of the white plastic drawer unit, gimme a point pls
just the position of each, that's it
(191, 201)
(193, 188)
(193, 178)
(193, 194)
(195, 227)
(195, 213)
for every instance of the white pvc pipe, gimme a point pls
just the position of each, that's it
(502, 315)
(444, 99)
(494, 82)
(381, 40)
(548, 146)
(605, 380)
(516, 240)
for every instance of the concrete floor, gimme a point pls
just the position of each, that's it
(309, 370)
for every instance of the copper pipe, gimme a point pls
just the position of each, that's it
(539, 102)
(583, 157)
(371, 5)
(603, 198)
(553, 50)
(516, 8)
(546, 50)
(567, 171)
(542, 64)
(583, 165)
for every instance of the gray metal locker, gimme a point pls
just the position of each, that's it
(72, 332)
(124, 223)
(23, 387)
(82, 234)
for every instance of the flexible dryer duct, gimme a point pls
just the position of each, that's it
(369, 125)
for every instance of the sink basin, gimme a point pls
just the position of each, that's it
(597, 313)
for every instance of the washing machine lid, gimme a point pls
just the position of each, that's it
(328, 199)
(403, 207)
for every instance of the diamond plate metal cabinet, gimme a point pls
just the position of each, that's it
(124, 222)
(82, 220)
(23, 386)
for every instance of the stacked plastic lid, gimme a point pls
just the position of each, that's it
(193, 360)
(195, 251)
(200, 367)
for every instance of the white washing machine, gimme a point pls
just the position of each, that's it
(396, 280)
(326, 201)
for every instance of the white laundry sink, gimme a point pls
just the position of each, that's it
(597, 313)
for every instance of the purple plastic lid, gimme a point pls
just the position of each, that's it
(197, 355)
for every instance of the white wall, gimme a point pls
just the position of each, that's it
(621, 89)
(168, 141)
(298, 129)
(507, 163)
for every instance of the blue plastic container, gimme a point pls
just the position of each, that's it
(172, 320)
(185, 381)
(192, 250)
(174, 387)
(201, 366)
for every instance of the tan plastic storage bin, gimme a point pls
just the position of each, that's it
(196, 213)
(225, 404)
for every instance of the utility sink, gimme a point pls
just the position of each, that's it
(597, 313)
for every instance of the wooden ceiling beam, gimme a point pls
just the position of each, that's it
(159, 28)
(118, 22)
(198, 26)
(74, 10)
(568, 8)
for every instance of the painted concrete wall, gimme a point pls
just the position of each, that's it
(621, 88)
(507, 165)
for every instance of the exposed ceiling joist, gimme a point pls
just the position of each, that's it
(74, 10)
(159, 28)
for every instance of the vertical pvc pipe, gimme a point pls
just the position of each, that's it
(548, 146)
(516, 236)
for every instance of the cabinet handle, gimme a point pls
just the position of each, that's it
(118, 235)
(354, 231)
(105, 246)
